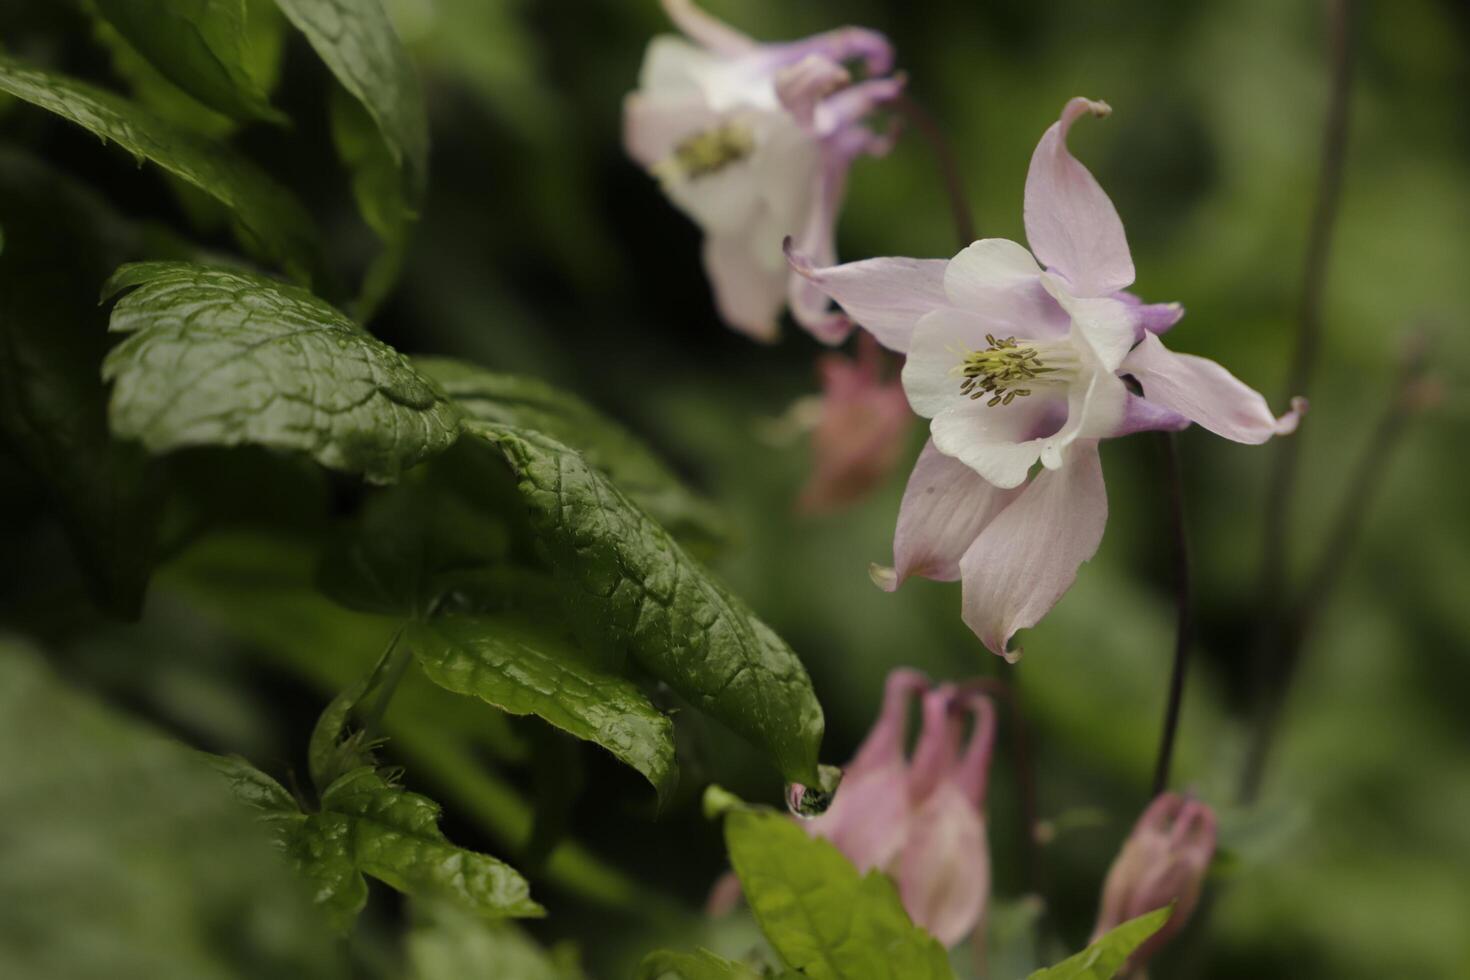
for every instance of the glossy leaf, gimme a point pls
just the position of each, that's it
(528, 403)
(525, 668)
(202, 46)
(633, 590)
(377, 186)
(1102, 959)
(222, 357)
(699, 965)
(269, 220)
(823, 917)
(356, 41)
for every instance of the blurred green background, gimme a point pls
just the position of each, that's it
(542, 249)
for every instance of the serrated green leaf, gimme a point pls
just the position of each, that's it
(528, 403)
(447, 944)
(700, 965)
(126, 859)
(823, 917)
(524, 668)
(63, 241)
(358, 44)
(202, 46)
(632, 589)
(332, 752)
(222, 357)
(394, 836)
(269, 220)
(1102, 959)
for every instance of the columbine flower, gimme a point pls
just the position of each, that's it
(753, 141)
(860, 428)
(1164, 860)
(1017, 361)
(922, 819)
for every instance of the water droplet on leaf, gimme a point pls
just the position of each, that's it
(809, 802)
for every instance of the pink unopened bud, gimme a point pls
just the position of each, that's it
(860, 432)
(1164, 860)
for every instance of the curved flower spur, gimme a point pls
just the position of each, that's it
(1019, 357)
(753, 141)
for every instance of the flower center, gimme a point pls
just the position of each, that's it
(1009, 369)
(711, 151)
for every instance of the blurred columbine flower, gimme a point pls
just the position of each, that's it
(860, 430)
(1016, 362)
(1164, 860)
(753, 141)
(921, 819)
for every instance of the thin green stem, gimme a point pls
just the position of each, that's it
(1184, 628)
(949, 166)
(395, 660)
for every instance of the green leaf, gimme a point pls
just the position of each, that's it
(447, 944)
(268, 219)
(699, 965)
(62, 242)
(528, 403)
(524, 668)
(632, 589)
(222, 357)
(202, 46)
(378, 189)
(125, 858)
(357, 42)
(1104, 958)
(823, 917)
(333, 751)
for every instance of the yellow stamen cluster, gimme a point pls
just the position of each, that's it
(710, 151)
(1000, 370)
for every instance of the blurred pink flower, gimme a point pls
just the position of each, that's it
(1164, 860)
(921, 819)
(1014, 364)
(753, 141)
(860, 432)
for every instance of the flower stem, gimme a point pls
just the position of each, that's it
(1285, 462)
(395, 660)
(949, 166)
(1184, 628)
(1025, 772)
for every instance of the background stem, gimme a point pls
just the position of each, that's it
(1183, 634)
(949, 167)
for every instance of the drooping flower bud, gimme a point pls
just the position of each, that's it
(860, 429)
(1164, 860)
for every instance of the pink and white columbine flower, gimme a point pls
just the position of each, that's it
(862, 424)
(1020, 357)
(921, 819)
(1164, 860)
(753, 141)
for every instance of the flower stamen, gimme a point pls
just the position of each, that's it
(708, 152)
(1009, 369)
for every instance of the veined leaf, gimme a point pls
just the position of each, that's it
(699, 965)
(823, 917)
(202, 46)
(223, 358)
(632, 588)
(528, 403)
(381, 198)
(357, 42)
(526, 669)
(1102, 959)
(269, 220)
(447, 944)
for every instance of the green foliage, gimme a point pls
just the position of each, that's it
(268, 219)
(1102, 960)
(822, 916)
(378, 188)
(125, 858)
(447, 944)
(633, 590)
(217, 357)
(525, 668)
(528, 403)
(202, 46)
(699, 965)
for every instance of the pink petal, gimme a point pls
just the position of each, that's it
(707, 30)
(1070, 223)
(1151, 317)
(1204, 392)
(844, 110)
(870, 817)
(723, 896)
(799, 87)
(945, 506)
(810, 305)
(841, 45)
(885, 296)
(884, 745)
(972, 772)
(748, 295)
(944, 871)
(1028, 557)
(938, 745)
(1142, 415)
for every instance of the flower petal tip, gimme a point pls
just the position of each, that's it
(799, 263)
(1012, 656)
(1287, 424)
(884, 577)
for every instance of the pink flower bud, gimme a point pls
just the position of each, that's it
(1164, 860)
